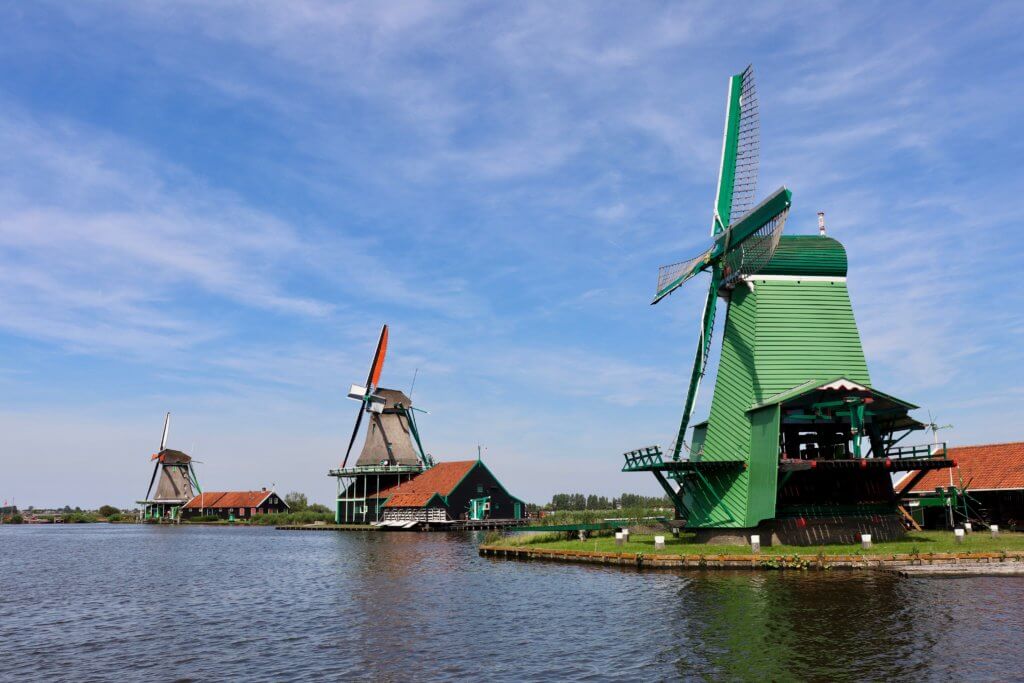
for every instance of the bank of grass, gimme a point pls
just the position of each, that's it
(634, 515)
(916, 542)
(304, 517)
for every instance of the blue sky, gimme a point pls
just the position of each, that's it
(210, 208)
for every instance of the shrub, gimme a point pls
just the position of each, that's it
(108, 510)
(15, 519)
(304, 517)
(79, 517)
(114, 517)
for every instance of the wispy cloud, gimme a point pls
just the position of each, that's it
(215, 205)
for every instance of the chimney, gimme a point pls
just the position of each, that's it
(821, 223)
(263, 489)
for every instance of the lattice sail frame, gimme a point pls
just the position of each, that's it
(669, 273)
(748, 148)
(755, 252)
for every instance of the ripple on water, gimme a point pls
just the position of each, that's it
(105, 602)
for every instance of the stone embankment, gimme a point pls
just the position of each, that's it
(967, 563)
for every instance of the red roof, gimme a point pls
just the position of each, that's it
(229, 499)
(988, 467)
(441, 479)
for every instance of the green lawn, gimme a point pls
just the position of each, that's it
(922, 542)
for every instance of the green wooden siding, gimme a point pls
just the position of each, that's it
(805, 330)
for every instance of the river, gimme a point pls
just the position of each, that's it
(126, 603)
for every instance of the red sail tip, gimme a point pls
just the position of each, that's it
(378, 358)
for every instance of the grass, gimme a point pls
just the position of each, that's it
(564, 517)
(919, 542)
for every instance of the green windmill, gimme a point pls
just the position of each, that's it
(798, 446)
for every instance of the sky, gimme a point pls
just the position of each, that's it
(211, 208)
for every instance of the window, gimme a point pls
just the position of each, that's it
(479, 488)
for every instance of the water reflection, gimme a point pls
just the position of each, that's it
(100, 602)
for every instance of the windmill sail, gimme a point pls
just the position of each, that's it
(748, 148)
(366, 392)
(756, 250)
(741, 150)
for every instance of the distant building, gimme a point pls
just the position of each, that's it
(448, 491)
(234, 504)
(987, 485)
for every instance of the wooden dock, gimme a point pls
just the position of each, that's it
(461, 525)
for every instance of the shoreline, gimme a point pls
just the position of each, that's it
(1007, 562)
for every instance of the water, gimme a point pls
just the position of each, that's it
(120, 602)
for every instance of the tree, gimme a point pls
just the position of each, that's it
(108, 510)
(297, 502)
(319, 507)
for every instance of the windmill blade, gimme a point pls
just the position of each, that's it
(745, 247)
(748, 147)
(756, 238)
(355, 433)
(673, 276)
(700, 359)
(378, 361)
(737, 174)
(167, 428)
(152, 479)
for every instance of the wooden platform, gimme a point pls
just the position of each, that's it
(461, 525)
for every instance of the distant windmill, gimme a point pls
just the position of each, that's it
(392, 452)
(177, 479)
(935, 428)
(392, 437)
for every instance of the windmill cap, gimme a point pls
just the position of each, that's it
(807, 255)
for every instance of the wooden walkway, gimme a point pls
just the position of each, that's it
(462, 525)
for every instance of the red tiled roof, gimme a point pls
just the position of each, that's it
(440, 479)
(229, 499)
(992, 466)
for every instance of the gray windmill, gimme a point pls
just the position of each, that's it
(177, 482)
(392, 452)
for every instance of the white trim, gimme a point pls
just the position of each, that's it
(794, 278)
(721, 165)
(844, 385)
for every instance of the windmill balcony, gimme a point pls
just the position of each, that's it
(383, 468)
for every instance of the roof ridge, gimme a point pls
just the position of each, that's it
(990, 445)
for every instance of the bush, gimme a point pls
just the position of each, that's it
(79, 517)
(114, 517)
(108, 510)
(304, 517)
(319, 507)
(15, 519)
